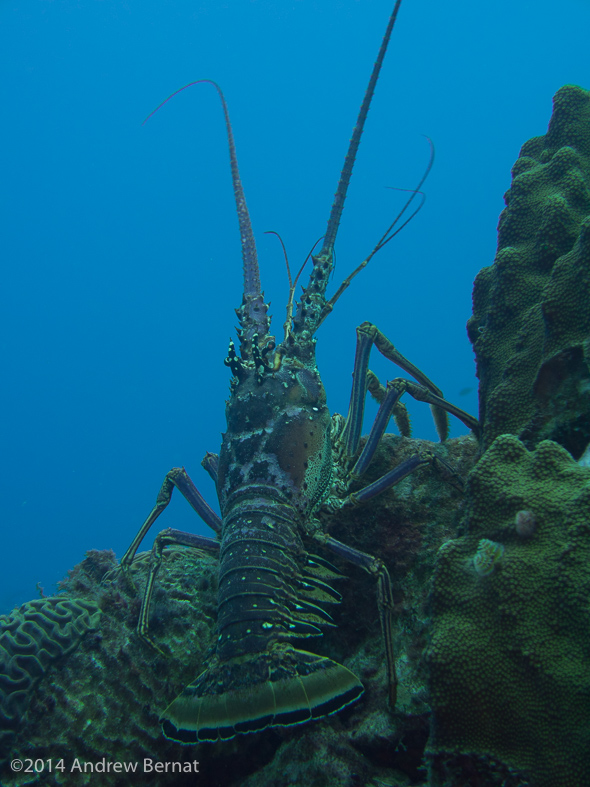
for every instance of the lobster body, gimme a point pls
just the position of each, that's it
(278, 437)
(275, 469)
(282, 457)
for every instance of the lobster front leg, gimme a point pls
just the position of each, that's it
(425, 390)
(378, 569)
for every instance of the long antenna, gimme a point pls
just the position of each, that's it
(249, 256)
(340, 196)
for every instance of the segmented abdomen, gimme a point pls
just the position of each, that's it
(266, 592)
(269, 588)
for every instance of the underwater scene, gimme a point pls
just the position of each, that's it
(343, 539)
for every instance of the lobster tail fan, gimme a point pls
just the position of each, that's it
(269, 690)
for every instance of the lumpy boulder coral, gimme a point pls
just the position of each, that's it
(530, 327)
(509, 656)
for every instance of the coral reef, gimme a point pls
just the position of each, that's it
(491, 591)
(31, 639)
(530, 323)
(509, 657)
(488, 555)
(103, 700)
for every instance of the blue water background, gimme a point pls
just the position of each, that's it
(121, 256)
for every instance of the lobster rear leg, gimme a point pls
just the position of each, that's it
(378, 569)
(165, 539)
(179, 478)
(384, 482)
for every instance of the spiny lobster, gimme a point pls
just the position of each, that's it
(282, 458)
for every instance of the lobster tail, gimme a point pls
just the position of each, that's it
(278, 688)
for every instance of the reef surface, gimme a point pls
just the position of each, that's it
(101, 700)
(491, 587)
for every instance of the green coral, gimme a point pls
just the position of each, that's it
(509, 656)
(105, 699)
(531, 326)
(31, 639)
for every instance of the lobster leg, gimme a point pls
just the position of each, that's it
(211, 464)
(362, 378)
(164, 539)
(389, 402)
(378, 569)
(179, 478)
(420, 459)
(425, 390)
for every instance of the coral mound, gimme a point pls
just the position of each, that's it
(530, 323)
(509, 656)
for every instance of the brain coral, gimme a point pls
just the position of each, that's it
(31, 638)
(530, 325)
(509, 655)
(103, 699)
